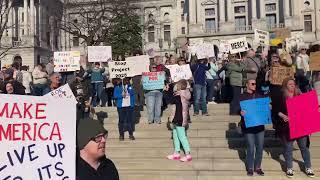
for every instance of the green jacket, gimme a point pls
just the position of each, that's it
(235, 71)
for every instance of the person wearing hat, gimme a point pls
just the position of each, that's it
(92, 164)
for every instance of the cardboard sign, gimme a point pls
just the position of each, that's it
(66, 61)
(224, 47)
(180, 72)
(204, 50)
(261, 37)
(304, 117)
(133, 66)
(153, 80)
(238, 45)
(37, 138)
(279, 73)
(63, 92)
(282, 33)
(99, 53)
(257, 112)
(315, 61)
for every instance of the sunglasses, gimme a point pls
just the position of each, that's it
(303, 49)
(275, 57)
(253, 84)
(98, 138)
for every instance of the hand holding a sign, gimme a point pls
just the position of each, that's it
(242, 112)
(284, 117)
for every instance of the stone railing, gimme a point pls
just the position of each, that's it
(275, 26)
(211, 31)
(243, 28)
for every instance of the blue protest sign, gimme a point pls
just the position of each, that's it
(257, 112)
(153, 80)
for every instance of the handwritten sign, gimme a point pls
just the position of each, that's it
(142, 64)
(153, 80)
(261, 37)
(257, 112)
(204, 50)
(99, 53)
(66, 61)
(37, 138)
(282, 33)
(315, 61)
(238, 45)
(62, 92)
(280, 73)
(128, 68)
(180, 72)
(224, 46)
(304, 117)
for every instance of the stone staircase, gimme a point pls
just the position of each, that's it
(218, 150)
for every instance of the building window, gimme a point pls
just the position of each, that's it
(48, 39)
(239, 9)
(182, 17)
(183, 30)
(210, 24)
(210, 12)
(56, 41)
(167, 33)
(75, 39)
(22, 17)
(271, 21)
(240, 23)
(182, 4)
(271, 7)
(307, 23)
(151, 35)
(22, 32)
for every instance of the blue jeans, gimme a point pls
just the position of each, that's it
(97, 89)
(288, 148)
(125, 120)
(154, 103)
(254, 150)
(200, 94)
(210, 89)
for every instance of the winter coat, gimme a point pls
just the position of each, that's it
(26, 80)
(235, 70)
(252, 66)
(39, 77)
(118, 90)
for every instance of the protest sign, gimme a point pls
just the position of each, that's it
(142, 64)
(261, 37)
(304, 117)
(99, 53)
(279, 73)
(37, 138)
(282, 33)
(204, 50)
(131, 67)
(315, 61)
(66, 61)
(62, 92)
(257, 112)
(238, 45)
(224, 47)
(153, 80)
(180, 72)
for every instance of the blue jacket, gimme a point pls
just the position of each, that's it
(96, 74)
(117, 95)
(199, 73)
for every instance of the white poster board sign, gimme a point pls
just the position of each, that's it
(99, 53)
(37, 138)
(133, 66)
(62, 92)
(224, 46)
(261, 37)
(238, 45)
(180, 72)
(205, 50)
(66, 61)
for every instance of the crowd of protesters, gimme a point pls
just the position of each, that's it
(228, 78)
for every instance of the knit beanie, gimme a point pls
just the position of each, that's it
(87, 129)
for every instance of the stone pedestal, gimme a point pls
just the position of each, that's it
(196, 29)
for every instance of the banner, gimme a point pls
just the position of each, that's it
(315, 61)
(66, 61)
(282, 33)
(204, 50)
(238, 45)
(304, 117)
(99, 53)
(261, 37)
(257, 112)
(133, 66)
(180, 72)
(279, 73)
(153, 80)
(37, 138)
(63, 92)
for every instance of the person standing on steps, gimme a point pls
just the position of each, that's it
(180, 121)
(254, 136)
(124, 96)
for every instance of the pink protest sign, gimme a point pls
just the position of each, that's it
(304, 117)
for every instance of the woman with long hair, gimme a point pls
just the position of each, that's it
(281, 124)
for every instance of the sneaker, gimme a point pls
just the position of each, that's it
(290, 173)
(174, 156)
(310, 172)
(187, 158)
(195, 114)
(132, 138)
(250, 172)
(150, 122)
(259, 172)
(205, 114)
(121, 138)
(212, 102)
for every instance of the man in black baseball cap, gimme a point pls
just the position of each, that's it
(92, 163)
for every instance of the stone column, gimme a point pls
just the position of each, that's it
(32, 17)
(40, 23)
(192, 11)
(254, 9)
(286, 8)
(262, 9)
(25, 18)
(222, 11)
(317, 19)
(230, 11)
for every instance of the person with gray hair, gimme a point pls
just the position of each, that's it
(53, 83)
